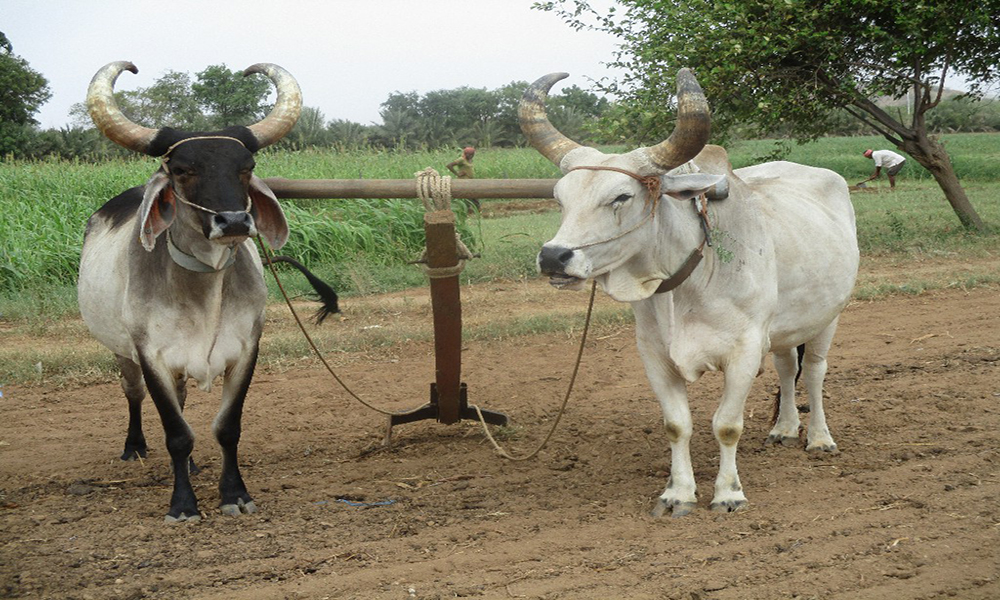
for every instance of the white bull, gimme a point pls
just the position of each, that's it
(785, 263)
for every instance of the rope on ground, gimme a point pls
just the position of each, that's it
(562, 408)
(319, 355)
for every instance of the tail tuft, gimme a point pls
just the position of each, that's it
(324, 293)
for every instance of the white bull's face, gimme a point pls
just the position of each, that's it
(606, 220)
(610, 225)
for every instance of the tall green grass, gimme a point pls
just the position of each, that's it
(364, 246)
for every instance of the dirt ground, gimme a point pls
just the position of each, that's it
(908, 508)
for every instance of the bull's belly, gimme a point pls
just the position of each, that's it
(791, 330)
(204, 361)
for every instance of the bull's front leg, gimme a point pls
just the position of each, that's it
(235, 499)
(727, 424)
(679, 498)
(180, 439)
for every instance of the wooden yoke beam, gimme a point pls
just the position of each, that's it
(407, 188)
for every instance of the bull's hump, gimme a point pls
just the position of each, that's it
(121, 209)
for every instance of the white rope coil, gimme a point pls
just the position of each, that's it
(435, 192)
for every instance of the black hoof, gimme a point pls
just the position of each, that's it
(134, 453)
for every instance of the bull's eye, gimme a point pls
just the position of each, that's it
(181, 171)
(622, 199)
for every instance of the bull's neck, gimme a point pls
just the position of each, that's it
(191, 251)
(679, 234)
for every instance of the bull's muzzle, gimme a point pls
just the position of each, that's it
(553, 261)
(228, 224)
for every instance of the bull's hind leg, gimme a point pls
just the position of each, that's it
(786, 427)
(235, 499)
(813, 374)
(135, 393)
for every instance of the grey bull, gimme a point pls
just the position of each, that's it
(785, 262)
(171, 282)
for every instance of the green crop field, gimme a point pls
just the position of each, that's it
(364, 246)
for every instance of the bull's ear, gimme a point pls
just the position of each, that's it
(685, 187)
(157, 210)
(268, 216)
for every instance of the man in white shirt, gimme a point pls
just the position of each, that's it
(888, 159)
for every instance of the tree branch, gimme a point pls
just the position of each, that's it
(877, 127)
(944, 73)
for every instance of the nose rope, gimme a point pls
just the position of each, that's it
(184, 200)
(652, 185)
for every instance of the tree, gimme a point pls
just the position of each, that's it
(309, 131)
(169, 102)
(231, 98)
(790, 63)
(22, 92)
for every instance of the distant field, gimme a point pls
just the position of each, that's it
(363, 247)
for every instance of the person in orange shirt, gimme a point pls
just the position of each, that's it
(463, 169)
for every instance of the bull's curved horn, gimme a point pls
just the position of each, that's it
(286, 109)
(535, 124)
(106, 114)
(693, 125)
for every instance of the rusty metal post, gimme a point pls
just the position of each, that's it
(442, 253)
(449, 395)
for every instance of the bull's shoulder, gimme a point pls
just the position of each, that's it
(118, 211)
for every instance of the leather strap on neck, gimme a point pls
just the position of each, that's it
(682, 273)
(693, 259)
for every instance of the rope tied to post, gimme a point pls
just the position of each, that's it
(435, 192)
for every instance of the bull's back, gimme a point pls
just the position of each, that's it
(809, 215)
(103, 273)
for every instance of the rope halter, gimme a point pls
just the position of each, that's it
(652, 184)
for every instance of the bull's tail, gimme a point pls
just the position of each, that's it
(325, 294)
(777, 395)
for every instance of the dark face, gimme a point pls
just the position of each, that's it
(214, 174)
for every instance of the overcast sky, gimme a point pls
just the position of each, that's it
(347, 55)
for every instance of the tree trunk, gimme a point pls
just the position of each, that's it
(932, 156)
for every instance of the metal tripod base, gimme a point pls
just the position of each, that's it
(432, 410)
